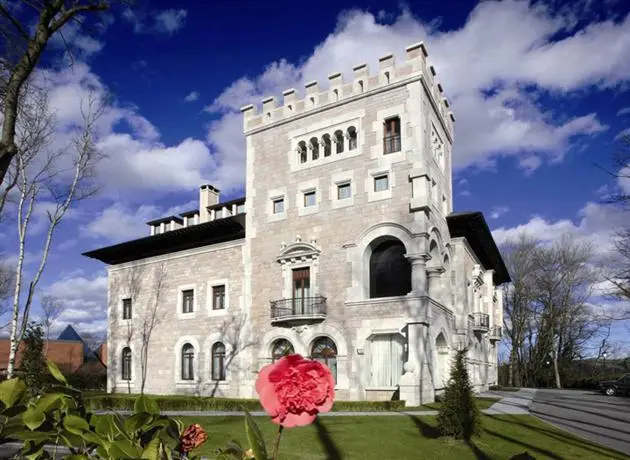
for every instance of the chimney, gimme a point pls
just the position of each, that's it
(208, 196)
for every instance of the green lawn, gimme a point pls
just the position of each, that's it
(482, 403)
(406, 437)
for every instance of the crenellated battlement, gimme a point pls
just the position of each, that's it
(338, 90)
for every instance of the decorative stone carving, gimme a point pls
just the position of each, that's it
(300, 329)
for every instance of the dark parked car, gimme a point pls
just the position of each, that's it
(613, 387)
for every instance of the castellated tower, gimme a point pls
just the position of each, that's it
(352, 259)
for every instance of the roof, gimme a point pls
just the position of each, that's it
(213, 232)
(165, 219)
(70, 334)
(189, 213)
(473, 227)
(236, 201)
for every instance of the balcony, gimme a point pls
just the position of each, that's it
(391, 144)
(481, 322)
(298, 311)
(496, 333)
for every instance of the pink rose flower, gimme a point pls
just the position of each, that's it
(293, 390)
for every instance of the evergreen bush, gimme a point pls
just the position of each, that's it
(458, 415)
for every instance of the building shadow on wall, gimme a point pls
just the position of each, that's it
(332, 452)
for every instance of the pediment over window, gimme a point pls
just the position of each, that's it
(298, 251)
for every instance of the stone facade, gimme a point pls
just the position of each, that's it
(347, 243)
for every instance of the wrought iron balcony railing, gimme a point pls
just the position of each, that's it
(302, 308)
(391, 144)
(481, 321)
(496, 333)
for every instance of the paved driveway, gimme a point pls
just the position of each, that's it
(602, 419)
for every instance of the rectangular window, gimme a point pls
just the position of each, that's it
(188, 297)
(301, 290)
(126, 308)
(218, 297)
(391, 135)
(344, 191)
(381, 183)
(278, 206)
(126, 364)
(386, 360)
(310, 199)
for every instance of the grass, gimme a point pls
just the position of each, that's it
(482, 403)
(379, 437)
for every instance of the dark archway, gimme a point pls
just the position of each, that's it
(390, 271)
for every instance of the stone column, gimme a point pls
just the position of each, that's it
(418, 273)
(416, 384)
(435, 290)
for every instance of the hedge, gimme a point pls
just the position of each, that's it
(500, 388)
(200, 403)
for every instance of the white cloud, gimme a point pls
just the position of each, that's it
(165, 22)
(489, 85)
(170, 21)
(623, 133)
(624, 111)
(121, 223)
(192, 96)
(595, 223)
(498, 211)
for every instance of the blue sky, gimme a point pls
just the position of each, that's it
(538, 91)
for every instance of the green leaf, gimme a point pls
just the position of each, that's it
(12, 391)
(56, 373)
(32, 450)
(92, 437)
(123, 448)
(104, 425)
(76, 457)
(137, 421)
(75, 424)
(254, 436)
(36, 436)
(33, 418)
(49, 401)
(146, 404)
(152, 451)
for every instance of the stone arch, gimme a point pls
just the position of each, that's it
(327, 330)
(361, 252)
(178, 358)
(264, 352)
(389, 271)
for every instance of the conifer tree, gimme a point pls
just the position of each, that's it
(33, 368)
(459, 415)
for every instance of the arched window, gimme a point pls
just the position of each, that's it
(352, 138)
(390, 271)
(339, 141)
(302, 154)
(126, 363)
(188, 359)
(218, 361)
(325, 351)
(327, 145)
(280, 348)
(314, 144)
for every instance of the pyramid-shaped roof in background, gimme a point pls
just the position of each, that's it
(70, 334)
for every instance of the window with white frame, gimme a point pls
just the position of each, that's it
(188, 301)
(126, 363)
(386, 360)
(218, 361)
(188, 362)
(310, 198)
(381, 182)
(218, 297)
(126, 304)
(344, 191)
(278, 205)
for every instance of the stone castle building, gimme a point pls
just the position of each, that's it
(345, 249)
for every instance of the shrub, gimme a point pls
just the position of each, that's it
(500, 388)
(33, 364)
(200, 403)
(88, 380)
(458, 415)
